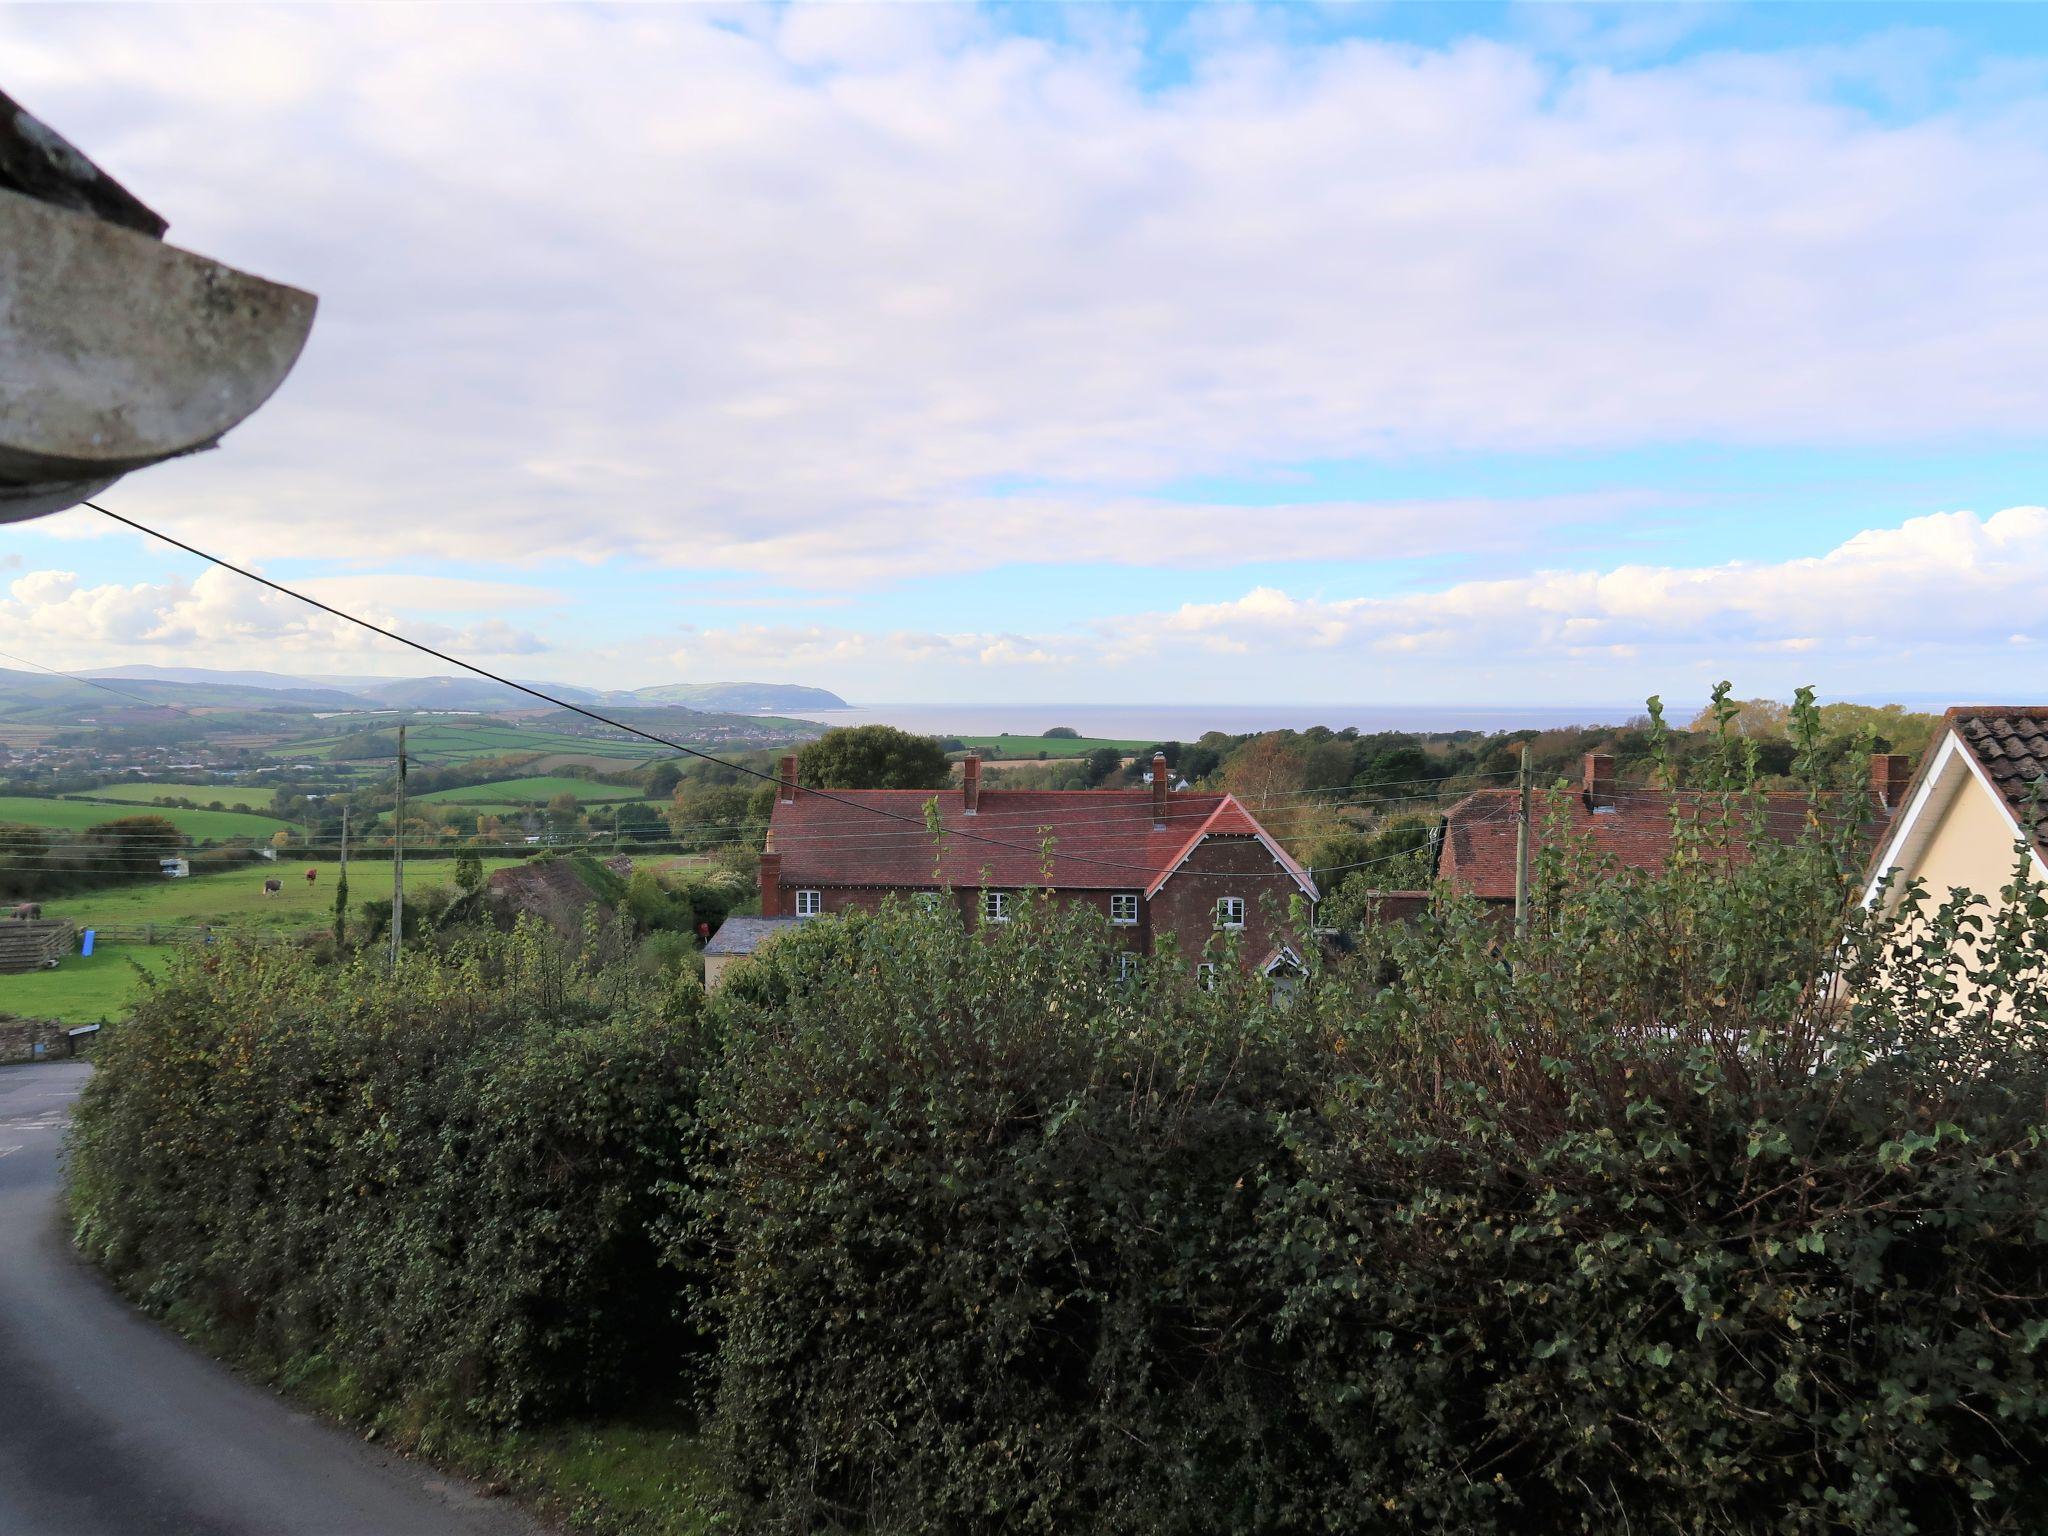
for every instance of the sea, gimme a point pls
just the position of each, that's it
(1186, 722)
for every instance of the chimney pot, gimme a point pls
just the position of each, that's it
(771, 885)
(1890, 773)
(1599, 782)
(1161, 781)
(970, 784)
(786, 791)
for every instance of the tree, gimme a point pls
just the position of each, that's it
(1264, 769)
(1101, 763)
(469, 874)
(1751, 717)
(873, 757)
(1061, 733)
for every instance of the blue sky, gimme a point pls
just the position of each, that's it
(1375, 353)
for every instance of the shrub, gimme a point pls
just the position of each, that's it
(1636, 1222)
(434, 1184)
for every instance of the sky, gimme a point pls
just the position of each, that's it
(1506, 354)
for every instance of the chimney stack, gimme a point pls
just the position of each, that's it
(970, 783)
(771, 884)
(785, 791)
(1599, 784)
(1162, 778)
(1890, 773)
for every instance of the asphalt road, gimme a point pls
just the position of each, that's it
(110, 1424)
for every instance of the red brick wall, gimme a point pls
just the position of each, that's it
(1186, 904)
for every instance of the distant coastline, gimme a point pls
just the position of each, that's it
(1185, 722)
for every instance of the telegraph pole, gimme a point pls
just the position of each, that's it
(398, 857)
(344, 842)
(1522, 850)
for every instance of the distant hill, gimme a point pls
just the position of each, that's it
(357, 692)
(742, 698)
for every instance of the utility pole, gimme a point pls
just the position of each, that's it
(1522, 850)
(398, 856)
(344, 842)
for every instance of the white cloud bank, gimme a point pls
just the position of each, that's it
(220, 619)
(1945, 584)
(812, 291)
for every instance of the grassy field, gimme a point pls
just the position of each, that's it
(77, 815)
(83, 990)
(1051, 746)
(536, 791)
(235, 797)
(233, 899)
(448, 742)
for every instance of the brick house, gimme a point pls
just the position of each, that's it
(1152, 861)
(1630, 825)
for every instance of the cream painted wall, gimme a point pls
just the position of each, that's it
(1971, 846)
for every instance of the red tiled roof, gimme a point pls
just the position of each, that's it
(1102, 838)
(1478, 854)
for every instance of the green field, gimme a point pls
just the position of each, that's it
(1051, 746)
(77, 815)
(233, 899)
(233, 796)
(535, 791)
(443, 742)
(82, 990)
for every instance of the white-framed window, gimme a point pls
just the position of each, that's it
(995, 906)
(809, 903)
(1229, 911)
(1123, 909)
(1205, 975)
(929, 900)
(1126, 965)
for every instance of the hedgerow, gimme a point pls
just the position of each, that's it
(433, 1184)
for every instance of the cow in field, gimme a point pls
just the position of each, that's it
(28, 911)
(312, 875)
(272, 887)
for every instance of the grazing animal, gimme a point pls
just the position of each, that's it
(312, 875)
(28, 911)
(272, 887)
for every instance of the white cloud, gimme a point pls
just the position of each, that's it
(1950, 579)
(217, 619)
(790, 290)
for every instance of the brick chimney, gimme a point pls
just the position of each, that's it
(1162, 781)
(1890, 773)
(970, 784)
(771, 884)
(785, 789)
(1599, 781)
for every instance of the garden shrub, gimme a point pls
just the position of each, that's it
(431, 1183)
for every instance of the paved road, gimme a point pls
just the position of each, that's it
(110, 1424)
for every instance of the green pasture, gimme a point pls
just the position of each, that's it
(534, 791)
(441, 741)
(233, 899)
(1049, 747)
(83, 990)
(77, 815)
(236, 797)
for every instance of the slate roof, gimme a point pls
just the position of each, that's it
(1103, 839)
(2010, 743)
(744, 935)
(1478, 850)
